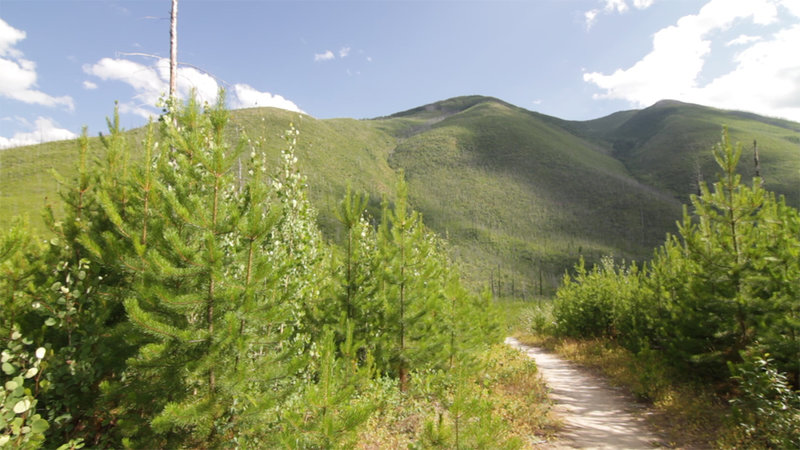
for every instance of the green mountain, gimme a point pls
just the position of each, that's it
(666, 146)
(516, 193)
(519, 195)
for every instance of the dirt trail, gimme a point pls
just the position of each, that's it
(595, 415)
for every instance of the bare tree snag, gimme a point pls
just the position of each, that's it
(173, 50)
(756, 161)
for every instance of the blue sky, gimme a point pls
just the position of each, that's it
(64, 63)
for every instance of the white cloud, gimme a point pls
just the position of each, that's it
(190, 79)
(88, 85)
(343, 52)
(611, 7)
(9, 36)
(245, 96)
(145, 80)
(743, 39)
(141, 110)
(590, 17)
(18, 75)
(642, 4)
(327, 56)
(44, 130)
(616, 5)
(765, 78)
(152, 82)
(792, 6)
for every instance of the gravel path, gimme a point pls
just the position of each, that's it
(595, 415)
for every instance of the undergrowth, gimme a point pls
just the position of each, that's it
(502, 405)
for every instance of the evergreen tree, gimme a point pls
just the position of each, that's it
(412, 289)
(209, 290)
(470, 322)
(350, 213)
(326, 413)
(355, 299)
(739, 276)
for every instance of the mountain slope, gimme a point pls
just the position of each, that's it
(519, 195)
(667, 146)
(515, 193)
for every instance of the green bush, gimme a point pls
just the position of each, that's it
(766, 413)
(729, 279)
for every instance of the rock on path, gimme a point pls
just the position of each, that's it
(595, 415)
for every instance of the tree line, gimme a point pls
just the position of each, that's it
(186, 298)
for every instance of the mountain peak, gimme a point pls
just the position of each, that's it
(448, 107)
(666, 103)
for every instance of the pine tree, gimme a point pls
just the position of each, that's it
(729, 281)
(471, 322)
(716, 313)
(350, 212)
(326, 413)
(412, 289)
(210, 290)
(354, 293)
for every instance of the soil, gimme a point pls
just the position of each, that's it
(595, 414)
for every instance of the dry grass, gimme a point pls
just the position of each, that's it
(521, 397)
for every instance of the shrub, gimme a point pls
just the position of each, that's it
(766, 413)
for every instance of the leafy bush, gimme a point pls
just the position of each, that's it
(603, 302)
(20, 424)
(766, 412)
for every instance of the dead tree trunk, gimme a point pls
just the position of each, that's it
(173, 51)
(756, 161)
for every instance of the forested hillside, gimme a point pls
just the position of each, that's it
(185, 298)
(519, 195)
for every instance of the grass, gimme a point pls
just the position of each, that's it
(508, 384)
(510, 408)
